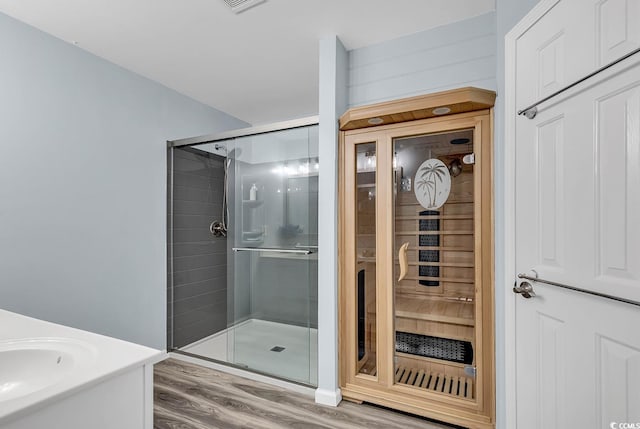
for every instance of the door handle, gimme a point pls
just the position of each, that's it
(525, 289)
(404, 265)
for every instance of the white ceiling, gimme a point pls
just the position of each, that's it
(260, 66)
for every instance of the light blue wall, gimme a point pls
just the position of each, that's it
(333, 68)
(452, 56)
(83, 185)
(508, 13)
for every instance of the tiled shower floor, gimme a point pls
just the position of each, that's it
(250, 344)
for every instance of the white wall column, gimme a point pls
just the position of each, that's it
(333, 103)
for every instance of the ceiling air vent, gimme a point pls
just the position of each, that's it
(238, 6)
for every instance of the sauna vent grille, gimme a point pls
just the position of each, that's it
(434, 347)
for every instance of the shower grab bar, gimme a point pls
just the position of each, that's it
(272, 250)
(531, 111)
(577, 289)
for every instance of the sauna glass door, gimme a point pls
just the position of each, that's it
(365, 292)
(361, 180)
(434, 278)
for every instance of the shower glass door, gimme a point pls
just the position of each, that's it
(272, 265)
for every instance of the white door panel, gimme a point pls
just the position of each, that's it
(577, 218)
(617, 28)
(556, 51)
(617, 373)
(570, 41)
(617, 193)
(583, 366)
(582, 209)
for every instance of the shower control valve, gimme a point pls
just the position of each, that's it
(218, 229)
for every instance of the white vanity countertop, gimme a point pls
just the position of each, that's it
(90, 359)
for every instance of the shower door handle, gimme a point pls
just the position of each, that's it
(272, 250)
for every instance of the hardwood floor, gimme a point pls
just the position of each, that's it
(189, 396)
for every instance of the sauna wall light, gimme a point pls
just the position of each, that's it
(441, 110)
(371, 160)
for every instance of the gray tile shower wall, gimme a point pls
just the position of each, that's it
(199, 296)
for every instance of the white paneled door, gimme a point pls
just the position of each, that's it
(577, 218)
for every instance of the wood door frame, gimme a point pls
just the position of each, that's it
(509, 244)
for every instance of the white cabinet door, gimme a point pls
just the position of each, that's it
(578, 218)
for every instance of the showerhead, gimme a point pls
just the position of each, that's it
(230, 154)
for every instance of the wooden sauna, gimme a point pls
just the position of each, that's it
(416, 256)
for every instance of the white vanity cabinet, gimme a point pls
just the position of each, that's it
(56, 377)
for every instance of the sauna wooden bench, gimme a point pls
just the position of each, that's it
(429, 309)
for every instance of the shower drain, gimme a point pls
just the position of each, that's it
(277, 349)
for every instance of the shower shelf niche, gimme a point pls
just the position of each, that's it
(248, 237)
(252, 212)
(252, 203)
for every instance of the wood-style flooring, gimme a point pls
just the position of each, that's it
(190, 396)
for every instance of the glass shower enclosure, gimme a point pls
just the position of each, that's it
(243, 249)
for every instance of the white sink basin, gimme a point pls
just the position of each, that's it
(31, 365)
(46, 369)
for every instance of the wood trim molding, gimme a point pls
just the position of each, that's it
(421, 107)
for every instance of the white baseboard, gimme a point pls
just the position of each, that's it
(328, 397)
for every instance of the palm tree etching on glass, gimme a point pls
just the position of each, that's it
(432, 176)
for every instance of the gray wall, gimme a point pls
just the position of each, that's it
(509, 12)
(83, 185)
(199, 258)
(451, 56)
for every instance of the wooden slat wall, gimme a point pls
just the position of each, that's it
(456, 240)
